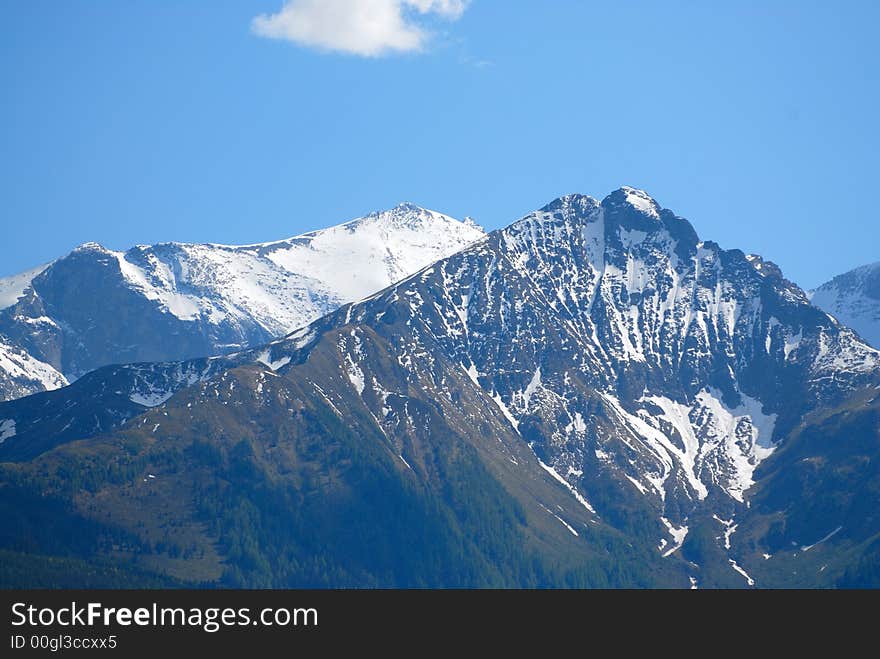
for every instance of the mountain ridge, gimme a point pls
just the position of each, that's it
(177, 300)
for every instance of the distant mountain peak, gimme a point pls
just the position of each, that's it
(410, 216)
(97, 306)
(853, 298)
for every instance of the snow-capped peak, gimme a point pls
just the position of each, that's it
(853, 298)
(411, 216)
(640, 201)
(403, 239)
(214, 298)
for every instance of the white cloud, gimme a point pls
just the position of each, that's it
(369, 28)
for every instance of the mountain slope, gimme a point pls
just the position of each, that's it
(175, 301)
(654, 380)
(21, 374)
(854, 299)
(257, 479)
(814, 518)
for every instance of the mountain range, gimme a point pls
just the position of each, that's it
(175, 301)
(591, 396)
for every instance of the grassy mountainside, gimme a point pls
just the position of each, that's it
(250, 481)
(816, 509)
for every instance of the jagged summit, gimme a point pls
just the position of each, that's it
(629, 209)
(638, 200)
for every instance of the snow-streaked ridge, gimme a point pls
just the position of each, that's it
(286, 284)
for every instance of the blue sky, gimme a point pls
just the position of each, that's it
(143, 121)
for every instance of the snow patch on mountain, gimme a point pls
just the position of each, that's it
(792, 342)
(151, 398)
(505, 410)
(152, 385)
(157, 282)
(705, 442)
(22, 374)
(559, 479)
(355, 374)
(13, 288)
(7, 429)
(734, 440)
(830, 535)
(678, 533)
(729, 529)
(265, 358)
(742, 572)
